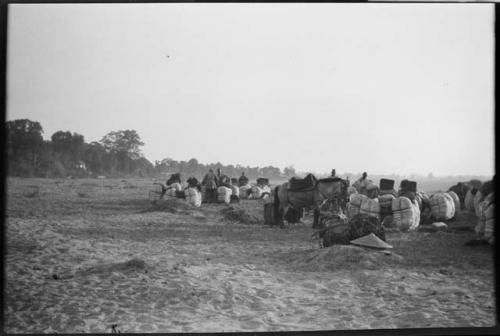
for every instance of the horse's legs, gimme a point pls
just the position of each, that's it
(316, 217)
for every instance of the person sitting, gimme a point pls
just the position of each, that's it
(223, 180)
(243, 180)
(333, 173)
(361, 183)
(210, 184)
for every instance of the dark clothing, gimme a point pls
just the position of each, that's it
(210, 181)
(243, 180)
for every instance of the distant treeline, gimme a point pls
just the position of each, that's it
(117, 154)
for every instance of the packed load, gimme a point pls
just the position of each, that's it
(244, 191)
(485, 228)
(193, 196)
(256, 192)
(370, 207)
(385, 202)
(469, 200)
(354, 204)
(224, 195)
(359, 203)
(406, 214)
(442, 207)
(456, 200)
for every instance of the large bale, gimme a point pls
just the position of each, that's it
(392, 192)
(442, 207)
(406, 214)
(193, 196)
(354, 204)
(456, 200)
(244, 191)
(235, 191)
(224, 195)
(370, 207)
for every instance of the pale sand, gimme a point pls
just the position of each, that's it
(206, 274)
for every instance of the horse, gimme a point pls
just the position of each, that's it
(314, 196)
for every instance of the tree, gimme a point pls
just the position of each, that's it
(124, 141)
(24, 142)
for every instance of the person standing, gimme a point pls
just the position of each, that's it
(210, 184)
(333, 173)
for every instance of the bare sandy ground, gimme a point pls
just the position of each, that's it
(83, 256)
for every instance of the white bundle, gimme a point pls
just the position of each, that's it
(456, 200)
(442, 206)
(224, 194)
(354, 204)
(176, 186)
(235, 191)
(370, 207)
(406, 214)
(244, 191)
(385, 201)
(256, 192)
(193, 196)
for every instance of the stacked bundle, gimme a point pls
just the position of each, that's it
(193, 196)
(385, 202)
(486, 224)
(370, 207)
(256, 192)
(224, 195)
(244, 191)
(406, 214)
(456, 200)
(235, 191)
(442, 206)
(354, 204)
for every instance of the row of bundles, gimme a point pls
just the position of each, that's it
(224, 194)
(442, 206)
(486, 224)
(193, 196)
(406, 213)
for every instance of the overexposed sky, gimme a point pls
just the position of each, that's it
(382, 88)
